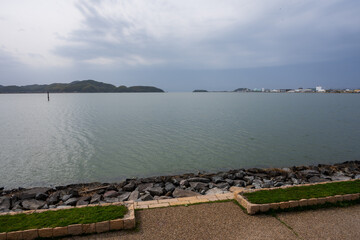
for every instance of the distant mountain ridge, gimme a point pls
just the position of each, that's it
(85, 86)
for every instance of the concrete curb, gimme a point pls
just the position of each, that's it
(252, 208)
(183, 201)
(128, 222)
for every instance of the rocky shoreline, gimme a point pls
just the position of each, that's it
(165, 187)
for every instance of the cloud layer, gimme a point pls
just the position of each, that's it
(121, 38)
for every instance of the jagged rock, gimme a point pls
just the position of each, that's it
(229, 181)
(231, 176)
(169, 187)
(199, 186)
(249, 179)
(81, 203)
(239, 175)
(146, 197)
(217, 179)
(309, 173)
(156, 191)
(184, 183)
(224, 185)
(130, 186)
(54, 198)
(239, 183)
(16, 206)
(111, 194)
(41, 196)
(66, 197)
(96, 198)
(124, 196)
(315, 179)
(257, 183)
(267, 183)
(32, 204)
(215, 190)
(134, 195)
(144, 186)
(31, 193)
(4, 204)
(198, 179)
(278, 184)
(74, 193)
(71, 201)
(295, 181)
(178, 193)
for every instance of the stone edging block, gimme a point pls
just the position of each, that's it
(252, 208)
(128, 222)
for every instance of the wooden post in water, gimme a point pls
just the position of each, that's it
(48, 96)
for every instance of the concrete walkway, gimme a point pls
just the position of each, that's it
(226, 220)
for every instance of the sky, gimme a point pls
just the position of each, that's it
(182, 45)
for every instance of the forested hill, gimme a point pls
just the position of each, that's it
(86, 86)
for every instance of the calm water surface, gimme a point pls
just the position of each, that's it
(107, 137)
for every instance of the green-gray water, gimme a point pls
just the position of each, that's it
(107, 137)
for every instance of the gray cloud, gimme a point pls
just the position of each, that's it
(285, 34)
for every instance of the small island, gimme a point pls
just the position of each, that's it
(200, 90)
(85, 86)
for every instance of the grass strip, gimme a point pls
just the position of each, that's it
(60, 218)
(303, 192)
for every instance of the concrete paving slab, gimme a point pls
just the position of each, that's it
(223, 220)
(331, 223)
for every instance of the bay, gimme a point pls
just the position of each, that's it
(107, 137)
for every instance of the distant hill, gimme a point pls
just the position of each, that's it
(86, 86)
(200, 90)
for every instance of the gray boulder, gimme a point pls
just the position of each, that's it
(184, 183)
(96, 198)
(178, 193)
(4, 204)
(357, 176)
(316, 179)
(217, 179)
(111, 194)
(66, 197)
(54, 198)
(71, 201)
(224, 185)
(130, 186)
(199, 179)
(124, 196)
(239, 175)
(146, 197)
(134, 195)
(31, 193)
(199, 186)
(144, 186)
(41, 196)
(169, 187)
(156, 191)
(32, 204)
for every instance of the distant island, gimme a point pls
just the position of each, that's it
(200, 90)
(85, 86)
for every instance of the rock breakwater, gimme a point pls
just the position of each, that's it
(165, 187)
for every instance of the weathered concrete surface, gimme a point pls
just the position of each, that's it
(333, 223)
(205, 221)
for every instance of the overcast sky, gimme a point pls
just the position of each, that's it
(182, 45)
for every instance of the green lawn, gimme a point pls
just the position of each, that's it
(303, 192)
(60, 218)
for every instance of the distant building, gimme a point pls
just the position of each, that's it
(320, 89)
